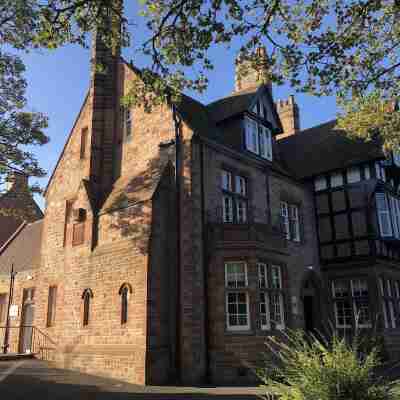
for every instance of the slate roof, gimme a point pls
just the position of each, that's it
(323, 148)
(236, 103)
(23, 249)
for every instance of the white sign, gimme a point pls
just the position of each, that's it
(14, 311)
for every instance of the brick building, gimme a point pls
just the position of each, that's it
(271, 228)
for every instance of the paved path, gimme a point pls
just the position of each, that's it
(34, 380)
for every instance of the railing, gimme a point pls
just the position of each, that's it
(27, 339)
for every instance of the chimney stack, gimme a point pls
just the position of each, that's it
(252, 71)
(17, 182)
(289, 115)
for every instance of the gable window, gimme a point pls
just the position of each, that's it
(3, 307)
(51, 306)
(84, 137)
(237, 301)
(86, 297)
(258, 138)
(290, 221)
(234, 198)
(383, 211)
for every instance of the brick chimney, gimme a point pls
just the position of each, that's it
(16, 182)
(289, 115)
(104, 99)
(252, 71)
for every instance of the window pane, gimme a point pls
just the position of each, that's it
(235, 274)
(320, 183)
(294, 223)
(343, 313)
(276, 277)
(240, 185)
(226, 180)
(241, 211)
(367, 172)
(262, 276)
(227, 208)
(237, 310)
(285, 219)
(383, 214)
(340, 289)
(336, 179)
(353, 175)
(277, 309)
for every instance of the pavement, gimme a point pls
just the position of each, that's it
(33, 380)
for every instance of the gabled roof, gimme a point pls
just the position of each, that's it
(324, 148)
(238, 103)
(23, 249)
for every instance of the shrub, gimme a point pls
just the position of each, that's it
(304, 367)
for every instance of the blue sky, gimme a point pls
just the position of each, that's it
(58, 81)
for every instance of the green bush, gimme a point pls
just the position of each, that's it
(304, 367)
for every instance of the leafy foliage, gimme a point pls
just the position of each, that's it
(309, 368)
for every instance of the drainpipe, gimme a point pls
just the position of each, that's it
(10, 299)
(177, 124)
(205, 264)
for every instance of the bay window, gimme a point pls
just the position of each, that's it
(271, 303)
(351, 303)
(258, 138)
(388, 300)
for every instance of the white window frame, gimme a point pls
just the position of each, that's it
(237, 327)
(285, 219)
(320, 183)
(236, 280)
(227, 215)
(281, 325)
(240, 185)
(294, 222)
(258, 138)
(395, 217)
(241, 210)
(226, 177)
(262, 267)
(383, 213)
(267, 325)
(279, 269)
(335, 299)
(352, 284)
(383, 303)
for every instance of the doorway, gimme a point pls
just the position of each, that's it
(27, 317)
(309, 313)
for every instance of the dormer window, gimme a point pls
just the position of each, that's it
(258, 139)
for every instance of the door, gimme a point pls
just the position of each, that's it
(309, 313)
(27, 314)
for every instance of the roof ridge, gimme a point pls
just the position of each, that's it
(305, 131)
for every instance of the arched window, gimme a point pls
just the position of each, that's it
(124, 291)
(86, 296)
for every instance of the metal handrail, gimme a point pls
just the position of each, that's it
(41, 345)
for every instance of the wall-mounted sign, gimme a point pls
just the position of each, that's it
(14, 311)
